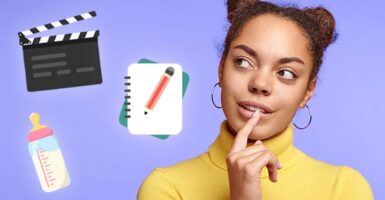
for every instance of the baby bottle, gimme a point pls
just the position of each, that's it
(46, 156)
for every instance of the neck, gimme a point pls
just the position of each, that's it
(281, 144)
(249, 140)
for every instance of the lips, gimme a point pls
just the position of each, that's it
(247, 108)
(254, 106)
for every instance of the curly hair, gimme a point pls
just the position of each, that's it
(317, 24)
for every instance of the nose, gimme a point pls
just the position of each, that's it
(261, 83)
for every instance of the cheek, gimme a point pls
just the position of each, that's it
(233, 85)
(289, 99)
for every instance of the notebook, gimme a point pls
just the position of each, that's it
(122, 115)
(154, 98)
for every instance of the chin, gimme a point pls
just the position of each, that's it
(260, 132)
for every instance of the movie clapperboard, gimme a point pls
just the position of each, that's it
(61, 61)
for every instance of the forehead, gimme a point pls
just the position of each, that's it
(274, 37)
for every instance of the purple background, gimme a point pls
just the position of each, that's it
(106, 162)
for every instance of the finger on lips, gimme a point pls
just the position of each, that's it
(240, 141)
(253, 158)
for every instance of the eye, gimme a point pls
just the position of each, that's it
(241, 62)
(287, 74)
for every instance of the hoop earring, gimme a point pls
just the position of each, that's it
(212, 96)
(308, 109)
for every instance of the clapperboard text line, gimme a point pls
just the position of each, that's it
(58, 38)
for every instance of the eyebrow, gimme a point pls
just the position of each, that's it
(291, 59)
(252, 53)
(247, 49)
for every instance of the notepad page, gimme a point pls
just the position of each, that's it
(166, 116)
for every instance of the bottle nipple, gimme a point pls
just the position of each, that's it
(35, 120)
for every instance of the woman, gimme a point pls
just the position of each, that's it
(268, 70)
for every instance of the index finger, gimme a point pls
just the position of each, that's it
(240, 141)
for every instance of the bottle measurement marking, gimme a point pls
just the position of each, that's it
(44, 166)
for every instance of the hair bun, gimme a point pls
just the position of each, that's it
(233, 5)
(326, 24)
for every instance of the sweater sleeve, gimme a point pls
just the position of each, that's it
(157, 186)
(355, 187)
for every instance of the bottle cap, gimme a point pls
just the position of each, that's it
(38, 131)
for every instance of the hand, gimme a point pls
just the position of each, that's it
(244, 164)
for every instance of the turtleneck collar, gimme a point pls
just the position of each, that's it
(281, 145)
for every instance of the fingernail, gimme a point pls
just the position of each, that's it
(279, 165)
(256, 113)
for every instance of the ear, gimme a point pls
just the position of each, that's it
(220, 70)
(309, 92)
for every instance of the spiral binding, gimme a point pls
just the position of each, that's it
(127, 96)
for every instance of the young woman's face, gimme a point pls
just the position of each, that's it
(268, 66)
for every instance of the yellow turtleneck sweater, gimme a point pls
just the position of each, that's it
(302, 177)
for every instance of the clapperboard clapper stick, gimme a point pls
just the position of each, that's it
(60, 61)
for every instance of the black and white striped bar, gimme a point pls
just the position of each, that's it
(63, 37)
(59, 23)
